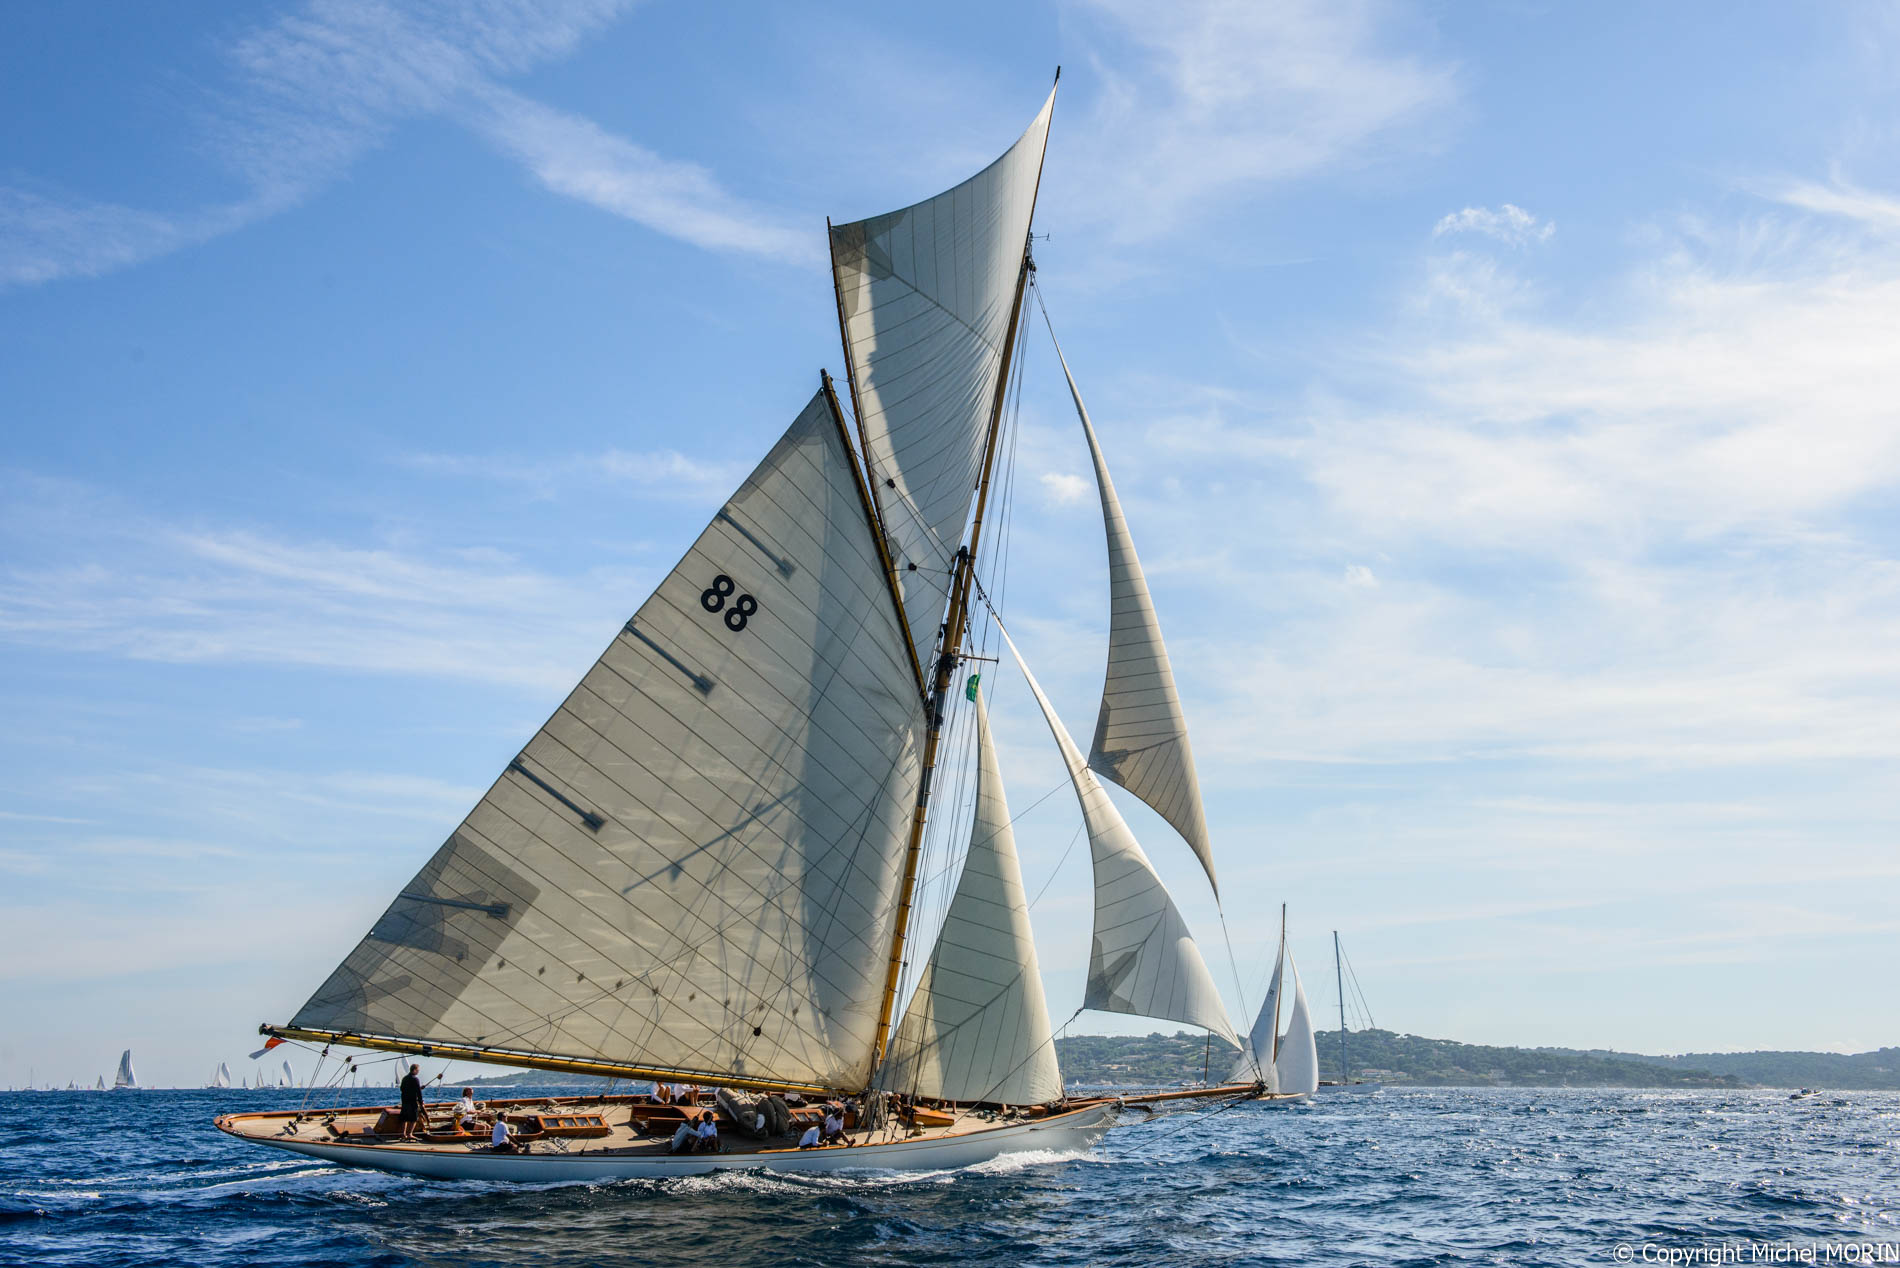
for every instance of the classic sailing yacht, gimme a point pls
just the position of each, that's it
(1285, 1061)
(221, 1077)
(704, 868)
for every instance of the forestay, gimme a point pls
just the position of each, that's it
(1143, 960)
(924, 296)
(977, 1028)
(1141, 739)
(692, 866)
(1256, 1054)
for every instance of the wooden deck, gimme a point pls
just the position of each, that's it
(629, 1126)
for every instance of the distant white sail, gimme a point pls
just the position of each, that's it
(222, 1077)
(1141, 739)
(1256, 1053)
(290, 1079)
(924, 295)
(977, 1027)
(1297, 1063)
(125, 1077)
(101, 1086)
(1143, 961)
(693, 866)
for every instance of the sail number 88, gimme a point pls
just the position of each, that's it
(713, 599)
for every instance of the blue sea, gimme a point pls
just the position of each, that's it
(1397, 1177)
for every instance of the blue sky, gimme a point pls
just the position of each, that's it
(1502, 396)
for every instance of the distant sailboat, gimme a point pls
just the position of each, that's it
(101, 1085)
(290, 1080)
(1346, 1082)
(125, 1078)
(1286, 1061)
(222, 1076)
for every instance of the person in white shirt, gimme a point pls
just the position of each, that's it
(500, 1142)
(466, 1108)
(683, 1139)
(708, 1134)
(834, 1126)
(810, 1139)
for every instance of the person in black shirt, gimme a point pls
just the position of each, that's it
(411, 1102)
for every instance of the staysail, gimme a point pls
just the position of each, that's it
(925, 299)
(1141, 739)
(125, 1077)
(1296, 1066)
(1143, 961)
(691, 867)
(977, 1028)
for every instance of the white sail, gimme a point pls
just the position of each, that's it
(1296, 1063)
(101, 1085)
(924, 296)
(977, 1027)
(125, 1076)
(222, 1076)
(1256, 1052)
(693, 865)
(290, 1078)
(1141, 739)
(1143, 960)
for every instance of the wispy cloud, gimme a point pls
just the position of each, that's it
(577, 158)
(1509, 224)
(1649, 535)
(1063, 488)
(666, 471)
(311, 92)
(1206, 100)
(115, 582)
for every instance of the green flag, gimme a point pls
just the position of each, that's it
(969, 691)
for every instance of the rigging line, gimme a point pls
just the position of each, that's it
(1233, 962)
(1057, 869)
(1193, 1120)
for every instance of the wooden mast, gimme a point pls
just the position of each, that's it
(950, 645)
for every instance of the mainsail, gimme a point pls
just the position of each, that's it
(125, 1076)
(222, 1076)
(1141, 739)
(977, 1028)
(1143, 960)
(926, 298)
(1296, 1065)
(691, 867)
(289, 1077)
(1256, 1054)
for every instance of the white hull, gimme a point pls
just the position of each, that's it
(1061, 1134)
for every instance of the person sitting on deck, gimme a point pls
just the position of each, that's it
(466, 1109)
(834, 1124)
(708, 1134)
(810, 1139)
(683, 1139)
(663, 1093)
(500, 1142)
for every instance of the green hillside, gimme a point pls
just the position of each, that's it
(1158, 1060)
